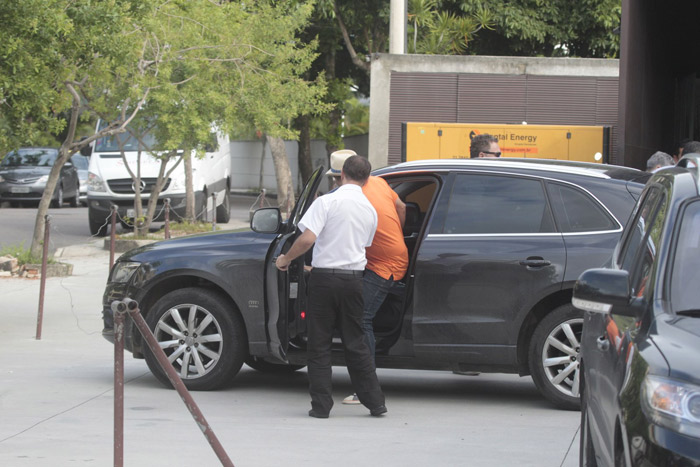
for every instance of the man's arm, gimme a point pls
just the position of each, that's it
(400, 210)
(301, 245)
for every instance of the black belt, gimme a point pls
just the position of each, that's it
(348, 272)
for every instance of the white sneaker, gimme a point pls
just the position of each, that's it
(351, 400)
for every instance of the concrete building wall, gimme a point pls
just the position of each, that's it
(384, 65)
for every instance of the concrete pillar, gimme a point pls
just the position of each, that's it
(397, 26)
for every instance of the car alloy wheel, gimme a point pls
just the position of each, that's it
(555, 356)
(561, 356)
(202, 337)
(191, 338)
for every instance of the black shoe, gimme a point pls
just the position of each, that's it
(313, 413)
(381, 410)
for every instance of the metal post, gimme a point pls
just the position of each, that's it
(112, 236)
(118, 312)
(213, 212)
(167, 218)
(133, 310)
(42, 286)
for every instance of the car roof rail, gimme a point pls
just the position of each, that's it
(692, 163)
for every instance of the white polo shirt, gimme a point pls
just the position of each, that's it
(344, 223)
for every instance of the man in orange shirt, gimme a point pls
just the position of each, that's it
(387, 257)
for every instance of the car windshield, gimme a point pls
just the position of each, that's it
(80, 162)
(685, 295)
(129, 143)
(30, 157)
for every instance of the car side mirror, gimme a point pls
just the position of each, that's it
(604, 291)
(266, 220)
(86, 150)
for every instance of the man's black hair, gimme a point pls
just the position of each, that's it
(691, 147)
(481, 143)
(357, 168)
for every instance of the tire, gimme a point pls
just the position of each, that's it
(586, 450)
(274, 368)
(58, 202)
(98, 227)
(198, 325)
(223, 211)
(554, 356)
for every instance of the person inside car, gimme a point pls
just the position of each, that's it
(484, 145)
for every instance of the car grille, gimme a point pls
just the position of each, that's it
(21, 181)
(126, 185)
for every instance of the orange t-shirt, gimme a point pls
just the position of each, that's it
(388, 254)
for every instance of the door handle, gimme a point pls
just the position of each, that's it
(535, 262)
(603, 343)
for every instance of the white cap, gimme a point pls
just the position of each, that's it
(338, 158)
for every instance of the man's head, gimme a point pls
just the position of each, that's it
(356, 170)
(691, 147)
(657, 160)
(484, 146)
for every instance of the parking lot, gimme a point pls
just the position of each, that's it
(56, 402)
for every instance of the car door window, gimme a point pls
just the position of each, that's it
(577, 211)
(641, 244)
(483, 204)
(685, 295)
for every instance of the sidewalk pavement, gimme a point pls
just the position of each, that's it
(56, 402)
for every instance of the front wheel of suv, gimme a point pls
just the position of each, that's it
(554, 356)
(201, 335)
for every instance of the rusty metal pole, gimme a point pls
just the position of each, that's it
(112, 236)
(133, 310)
(42, 283)
(118, 310)
(167, 218)
(213, 212)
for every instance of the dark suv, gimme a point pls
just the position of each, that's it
(495, 247)
(641, 334)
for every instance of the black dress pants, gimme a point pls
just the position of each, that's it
(335, 301)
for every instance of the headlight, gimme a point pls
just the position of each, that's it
(673, 404)
(95, 183)
(123, 271)
(43, 179)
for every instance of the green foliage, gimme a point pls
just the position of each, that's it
(582, 28)
(23, 255)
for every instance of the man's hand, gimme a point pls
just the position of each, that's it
(282, 263)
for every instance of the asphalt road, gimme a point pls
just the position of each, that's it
(69, 226)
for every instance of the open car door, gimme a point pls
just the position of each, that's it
(284, 291)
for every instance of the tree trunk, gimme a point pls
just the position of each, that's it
(190, 213)
(305, 163)
(285, 191)
(143, 226)
(40, 224)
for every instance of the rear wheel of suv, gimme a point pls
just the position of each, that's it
(203, 339)
(554, 356)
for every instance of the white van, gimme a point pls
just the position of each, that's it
(109, 182)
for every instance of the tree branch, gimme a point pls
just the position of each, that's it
(348, 44)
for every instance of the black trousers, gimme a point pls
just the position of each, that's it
(335, 302)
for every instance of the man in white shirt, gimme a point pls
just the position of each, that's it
(341, 224)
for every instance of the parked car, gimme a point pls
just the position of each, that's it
(81, 164)
(495, 247)
(24, 173)
(641, 334)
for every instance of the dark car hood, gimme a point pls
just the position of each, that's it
(678, 339)
(216, 243)
(20, 173)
